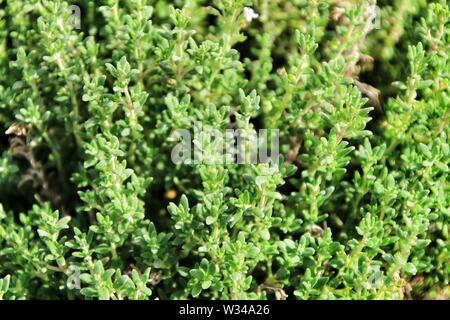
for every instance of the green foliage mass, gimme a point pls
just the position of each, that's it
(92, 207)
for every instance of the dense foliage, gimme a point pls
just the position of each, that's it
(92, 206)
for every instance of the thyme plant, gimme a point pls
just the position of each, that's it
(356, 206)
